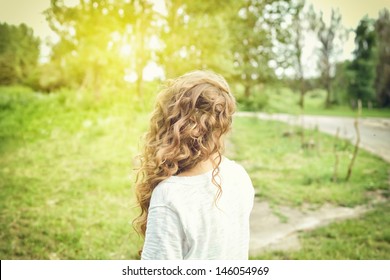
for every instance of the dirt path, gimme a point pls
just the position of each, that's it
(268, 231)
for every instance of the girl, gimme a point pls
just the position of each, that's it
(195, 203)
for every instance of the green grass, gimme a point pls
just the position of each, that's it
(283, 173)
(366, 238)
(66, 178)
(65, 167)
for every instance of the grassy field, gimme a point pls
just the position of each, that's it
(66, 175)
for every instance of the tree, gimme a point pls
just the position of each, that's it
(107, 39)
(255, 32)
(327, 36)
(143, 16)
(83, 35)
(194, 36)
(102, 38)
(173, 35)
(340, 82)
(361, 85)
(382, 81)
(297, 41)
(19, 53)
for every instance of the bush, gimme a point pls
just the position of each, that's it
(257, 101)
(254, 102)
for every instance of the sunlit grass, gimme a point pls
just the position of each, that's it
(66, 186)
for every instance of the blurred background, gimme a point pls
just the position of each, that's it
(78, 79)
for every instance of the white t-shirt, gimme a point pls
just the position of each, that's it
(185, 223)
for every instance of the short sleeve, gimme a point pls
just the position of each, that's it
(164, 238)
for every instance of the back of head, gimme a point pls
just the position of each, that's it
(192, 113)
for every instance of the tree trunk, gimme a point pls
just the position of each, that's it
(328, 95)
(140, 58)
(302, 100)
(139, 84)
(327, 101)
(302, 94)
(247, 91)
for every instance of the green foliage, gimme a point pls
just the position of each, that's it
(194, 36)
(340, 83)
(101, 42)
(257, 101)
(19, 51)
(105, 44)
(84, 56)
(361, 85)
(382, 81)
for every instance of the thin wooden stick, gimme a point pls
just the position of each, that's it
(357, 141)
(336, 155)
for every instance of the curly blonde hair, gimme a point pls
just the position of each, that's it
(191, 115)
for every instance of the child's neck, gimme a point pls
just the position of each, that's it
(201, 168)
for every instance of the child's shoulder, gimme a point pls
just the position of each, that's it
(231, 164)
(235, 170)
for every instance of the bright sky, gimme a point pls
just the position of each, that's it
(27, 11)
(30, 12)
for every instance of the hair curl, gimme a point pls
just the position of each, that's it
(191, 114)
